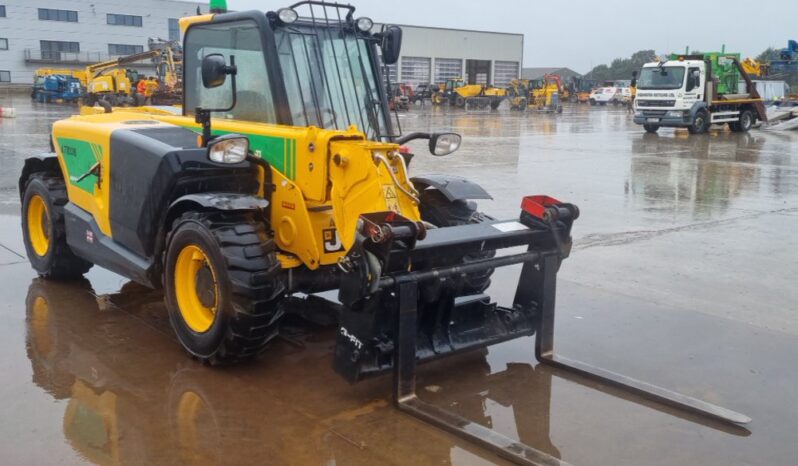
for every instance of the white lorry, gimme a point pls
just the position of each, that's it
(695, 92)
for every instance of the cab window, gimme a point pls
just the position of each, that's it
(242, 40)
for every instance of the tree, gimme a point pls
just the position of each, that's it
(768, 55)
(622, 68)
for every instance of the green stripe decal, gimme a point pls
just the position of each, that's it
(279, 152)
(79, 156)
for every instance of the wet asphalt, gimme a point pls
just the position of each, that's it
(683, 275)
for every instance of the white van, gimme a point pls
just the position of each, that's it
(602, 95)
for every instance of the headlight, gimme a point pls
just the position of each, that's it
(638, 114)
(232, 148)
(364, 24)
(287, 15)
(676, 114)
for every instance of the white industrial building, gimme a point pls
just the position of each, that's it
(73, 33)
(433, 55)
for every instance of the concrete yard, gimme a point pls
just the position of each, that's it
(683, 274)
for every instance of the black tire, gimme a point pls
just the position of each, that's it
(592, 102)
(438, 210)
(58, 261)
(242, 259)
(701, 123)
(495, 104)
(460, 101)
(651, 128)
(744, 124)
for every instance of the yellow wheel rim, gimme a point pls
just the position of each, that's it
(196, 289)
(38, 225)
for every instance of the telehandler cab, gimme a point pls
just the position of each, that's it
(283, 174)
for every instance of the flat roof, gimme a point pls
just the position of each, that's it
(455, 29)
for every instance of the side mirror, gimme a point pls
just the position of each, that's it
(444, 143)
(391, 44)
(215, 70)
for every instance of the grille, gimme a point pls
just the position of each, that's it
(656, 103)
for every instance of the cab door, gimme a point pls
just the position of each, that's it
(694, 87)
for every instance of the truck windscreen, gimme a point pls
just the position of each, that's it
(665, 77)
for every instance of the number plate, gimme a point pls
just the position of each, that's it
(652, 120)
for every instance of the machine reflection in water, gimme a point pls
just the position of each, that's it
(127, 403)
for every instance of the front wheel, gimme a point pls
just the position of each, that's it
(222, 284)
(438, 210)
(651, 128)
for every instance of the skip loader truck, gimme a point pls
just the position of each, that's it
(695, 92)
(283, 173)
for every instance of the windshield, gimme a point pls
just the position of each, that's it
(330, 79)
(665, 77)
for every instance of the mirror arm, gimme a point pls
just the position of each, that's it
(412, 137)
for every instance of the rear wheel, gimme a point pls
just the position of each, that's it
(592, 102)
(745, 122)
(700, 123)
(44, 231)
(460, 101)
(651, 128)
(438, 210)
(223, 285)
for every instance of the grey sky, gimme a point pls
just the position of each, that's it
(581, 34)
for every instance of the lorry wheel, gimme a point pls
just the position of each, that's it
(44, 231)
(592, 102)
(460, 101)
(223, 285)
(438, 210)
(744, 124)
(700, 123)
(651, 128)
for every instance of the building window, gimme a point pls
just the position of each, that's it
(415, 70)
(3, 44)
(174, 30)
(124, 20)
(124, 49)
(49, 14)
(2, 11)
(53, 49)
(5, 76)
(448, 68)
(504, 72)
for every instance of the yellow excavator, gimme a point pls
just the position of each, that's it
(456, 92)
(754, 68)
(110, 82)
(169, 70)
